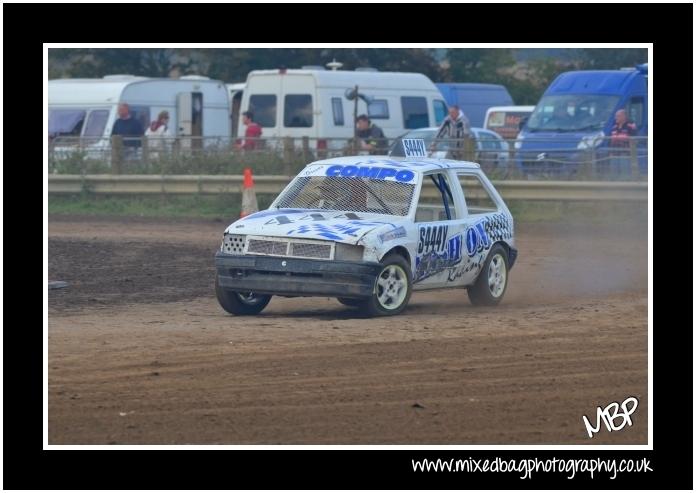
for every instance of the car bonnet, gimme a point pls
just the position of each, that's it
(316, 224)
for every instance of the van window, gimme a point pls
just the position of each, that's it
(476, 196)
(572, 113)
(378, 109)
(65, 122)
(337, 106)
(440, 109)
(263, 106)
(96, 123)
(415, 112)
(298, 111)
(635, 111)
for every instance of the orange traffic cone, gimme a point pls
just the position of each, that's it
(249, 203)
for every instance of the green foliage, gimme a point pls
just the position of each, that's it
(525, 72)
(611, 58)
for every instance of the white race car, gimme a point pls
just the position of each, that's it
(368, 230)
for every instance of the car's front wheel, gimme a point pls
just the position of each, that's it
(392, 288)
(240, 303)
(491, 283)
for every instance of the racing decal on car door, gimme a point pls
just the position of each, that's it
(479, 237)
(436, 252)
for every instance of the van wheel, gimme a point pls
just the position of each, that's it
(240, 303)
(392, 288)
(491, 284)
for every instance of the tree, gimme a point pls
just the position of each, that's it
(611, 58)
(479, 64)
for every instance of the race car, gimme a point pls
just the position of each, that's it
(369, 230)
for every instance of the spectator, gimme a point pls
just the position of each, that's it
(157, 134)
(455, 129)
(371, 136)
(127, 127)
(620, 142)
(252, 133)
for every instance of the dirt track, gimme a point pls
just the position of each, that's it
(140, 352)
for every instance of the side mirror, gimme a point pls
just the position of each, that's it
(522, 123)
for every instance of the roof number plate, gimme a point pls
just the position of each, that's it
(414, 147)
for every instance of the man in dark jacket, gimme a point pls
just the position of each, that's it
(128, 127)
(372, 137)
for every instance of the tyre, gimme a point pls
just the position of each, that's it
(392, 288)
(350, 301)
(491, 284)
(240, 303)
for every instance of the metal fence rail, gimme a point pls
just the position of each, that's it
(565, 191)
(531, 158)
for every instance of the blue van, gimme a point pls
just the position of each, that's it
(474, 99)
(574, 115)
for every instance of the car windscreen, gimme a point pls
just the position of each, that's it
(572, 113)
(350, 194)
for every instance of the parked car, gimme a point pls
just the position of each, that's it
(492, 152)
(369, 231)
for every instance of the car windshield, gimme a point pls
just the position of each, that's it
(350, 194)
(572, 113)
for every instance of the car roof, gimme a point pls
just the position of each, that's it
(420, 164)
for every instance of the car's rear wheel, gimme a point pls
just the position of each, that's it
(392, 288)
(238, 303)
(491, 284)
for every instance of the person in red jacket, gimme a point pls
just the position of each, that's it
(252, 134)
(620, 143)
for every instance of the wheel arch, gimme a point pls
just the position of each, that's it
(399, 250)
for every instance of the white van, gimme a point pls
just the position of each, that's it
(505, 120)
(85, 109)
(312, 102)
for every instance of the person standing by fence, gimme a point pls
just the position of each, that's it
(157, 134)
(129, 129)
(620, 143)
(456, 131)
(371, 137)
(251, 135)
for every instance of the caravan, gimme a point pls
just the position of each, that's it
(316, 103)
(83, 111)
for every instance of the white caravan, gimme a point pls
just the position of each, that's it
(313, 102)
(86, 109)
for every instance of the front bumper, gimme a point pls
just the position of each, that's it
(294, 276)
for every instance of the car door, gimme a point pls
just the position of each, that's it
(440, 230)
(485, 220)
